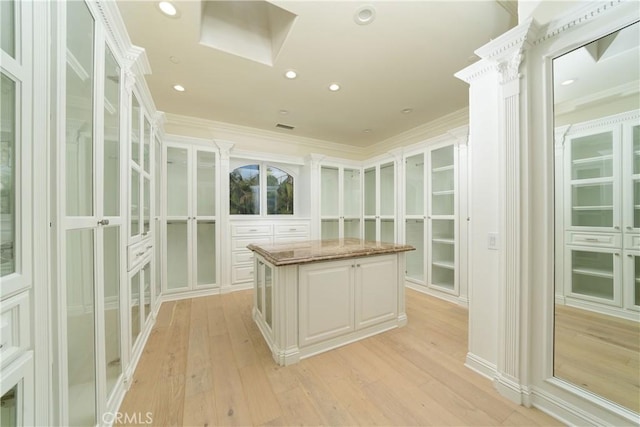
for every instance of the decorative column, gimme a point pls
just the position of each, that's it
(315, 176)
(223, 231)
(507, 53)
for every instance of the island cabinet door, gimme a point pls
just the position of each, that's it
(326, 301)
(376, 290)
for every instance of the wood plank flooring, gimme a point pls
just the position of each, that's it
(206, 364)
(599, 353)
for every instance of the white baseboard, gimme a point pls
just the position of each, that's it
(462, 301)
(481, 366)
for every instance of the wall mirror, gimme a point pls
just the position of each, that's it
(597, 217)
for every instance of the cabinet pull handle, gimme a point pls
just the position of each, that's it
(140, 254)
(629, 227)
(630, 256)
(103, 222)
(149, 247)
(357, 265)
(591, 239)
(253, 229)
(293, 229)
(616, 227)
(616, 253)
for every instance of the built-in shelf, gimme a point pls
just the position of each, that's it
(444, 264)
(443, 169)
(585, 182)
(443, 193)
(607, 274)
(444, 241)
(595, 159)
(592, 208)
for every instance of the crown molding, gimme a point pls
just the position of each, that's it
(423, 132)
(212, 127)
(619, 91)
(578, 16)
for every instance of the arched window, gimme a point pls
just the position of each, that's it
(244, 190)
(279, 192)
(247, 189)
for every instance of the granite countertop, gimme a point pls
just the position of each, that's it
(289, 253)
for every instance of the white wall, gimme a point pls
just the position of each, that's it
(484, 214)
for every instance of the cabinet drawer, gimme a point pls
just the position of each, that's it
(239, 244)
(14, 328)
(242, 257)
(632, 241)
(291, 238)
(242, 274)
(591, 239)
(250, 230)
(137, 252)
(292, 229)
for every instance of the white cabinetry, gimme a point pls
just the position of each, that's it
(431, 207)
(191, 242)
(341, 201)
(380, 202)
(263, 232)
(361, 292)
(599, 193)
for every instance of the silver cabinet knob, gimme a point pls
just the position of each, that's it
(103, 222)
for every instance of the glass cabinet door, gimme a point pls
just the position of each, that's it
(177, 260)
(177, 182)
(135, 129)
(414, 229)
(593, 274)
(206, 184)
(351, 202)
(9, 245)
(112, 268)
(635, 178)
(443, 253)
(329, 189)
(414, 185)
(370, 192)
(206, 252)
(591, 180)
(387, 190)
(442, 181)
(135, 307)
(111, 151)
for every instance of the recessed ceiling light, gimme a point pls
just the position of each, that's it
(568, 82)
(367, 131)
(174, 59)
(406, 111)
(168, 8)
(365, 15)
(284, 112)
(291, 74)
(179, 88)
(334, 87)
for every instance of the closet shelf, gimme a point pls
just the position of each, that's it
(587, 182)
(443, 193)
(593, 208)
(595, 159)
(444, 264)
(443, 240)
(442, 169)
(606, 274)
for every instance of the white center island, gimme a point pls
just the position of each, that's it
(313, 296)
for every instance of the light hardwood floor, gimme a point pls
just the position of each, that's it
(599, 353)
(206, 364)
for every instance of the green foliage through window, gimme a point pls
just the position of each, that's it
(245, 193)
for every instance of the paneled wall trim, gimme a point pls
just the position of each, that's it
(515, 348)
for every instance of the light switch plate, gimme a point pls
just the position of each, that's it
(492, 241)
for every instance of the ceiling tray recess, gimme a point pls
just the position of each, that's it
(255, 30)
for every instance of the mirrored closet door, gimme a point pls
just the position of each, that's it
(597, 234)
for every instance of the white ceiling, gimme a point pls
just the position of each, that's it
(404, 59)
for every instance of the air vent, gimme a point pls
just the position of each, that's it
(287, 127)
